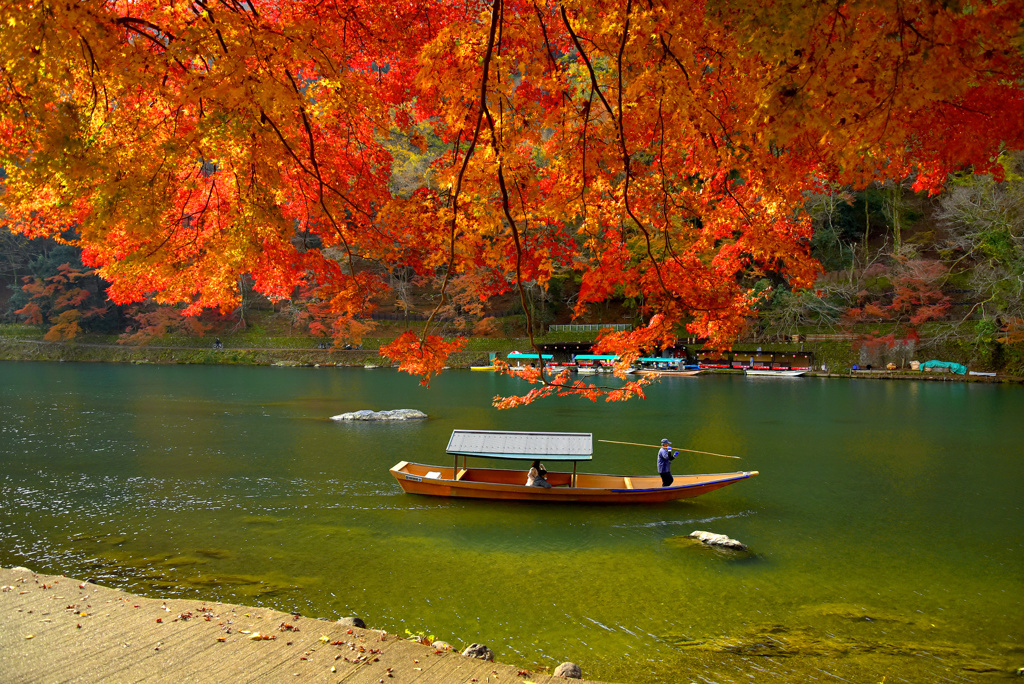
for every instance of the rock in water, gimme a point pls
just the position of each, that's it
(479, 651)
(351, 622)
(712, 539)
(396, 414)
(568, 671)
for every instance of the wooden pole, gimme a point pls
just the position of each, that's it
(657, 446)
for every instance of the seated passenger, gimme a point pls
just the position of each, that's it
(535, 478)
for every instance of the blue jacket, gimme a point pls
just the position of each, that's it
(665, 458)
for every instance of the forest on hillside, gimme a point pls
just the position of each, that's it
(895, 266)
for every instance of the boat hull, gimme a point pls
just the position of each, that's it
(680, 373)
(775, 373)
(510, 485)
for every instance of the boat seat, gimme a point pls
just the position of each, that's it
(433, 474)
(462, 471)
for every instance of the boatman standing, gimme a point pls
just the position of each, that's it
(665, 458)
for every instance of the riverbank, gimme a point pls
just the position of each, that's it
(13, 349)
(16, 349)
(57, 629)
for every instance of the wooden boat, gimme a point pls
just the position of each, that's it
(595, 363)
(780, 373)
(666, 366)
(507, 484)
(481, 368)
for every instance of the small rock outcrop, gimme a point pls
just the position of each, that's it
(479, 651)
(712, 539)
(351, 622)
(396, 414)
(441, 645)
(568, 671)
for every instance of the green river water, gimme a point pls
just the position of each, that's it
(886, 528)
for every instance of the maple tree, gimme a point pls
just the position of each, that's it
(61, 301)
(150, 323)
(916, 295)
(664, 150)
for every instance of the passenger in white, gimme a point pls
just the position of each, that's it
(535, 478)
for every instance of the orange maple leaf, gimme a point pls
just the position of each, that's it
(424, 357)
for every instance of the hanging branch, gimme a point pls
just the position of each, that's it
(453, 231)
(621, 133)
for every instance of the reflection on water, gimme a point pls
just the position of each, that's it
(886, 528)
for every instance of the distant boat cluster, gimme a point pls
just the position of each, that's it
(777, 364)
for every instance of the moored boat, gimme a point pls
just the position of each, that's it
(595, 363)
(666, 366)
(559, 366)
(510, 484)
(779, 373)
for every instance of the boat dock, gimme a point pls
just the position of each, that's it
(56, 629)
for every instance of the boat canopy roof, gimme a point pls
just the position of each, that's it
(517, 355)
(523, 446)
(596, 357)
(661, 359)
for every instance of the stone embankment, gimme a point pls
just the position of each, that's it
(56, 629)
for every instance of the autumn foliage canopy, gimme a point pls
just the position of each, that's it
(662, 149)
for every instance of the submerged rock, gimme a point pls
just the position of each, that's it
(848, 612)
(479, 651)
(568, 671)
(351, 622)
(396, 414)
(773, 640)
(712, 539)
